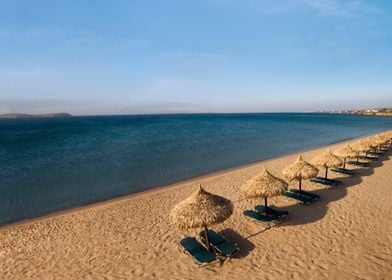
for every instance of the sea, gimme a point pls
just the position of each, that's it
(52, 164)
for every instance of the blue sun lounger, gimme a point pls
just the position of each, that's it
(301, 198)
(262, 218)
(327, 182)
(271, 211)
(358, 163)
(312, 196)
(222, 245)
(343, 171)
(197, 251)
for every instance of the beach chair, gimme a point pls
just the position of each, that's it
(301, 198)
(376, 153)
(221, 245)
(327, 182)
(312, 196)
(257, 216)
(368, 158)
(357, 163)
(271, 211)
(197, 251)
(343, 171)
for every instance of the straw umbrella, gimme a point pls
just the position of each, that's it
(264, 185)
(360, 147)
(327, 160)
(370, 143)
(388, 136)
(379, 140)
(201, 210)
(346, 152)
(299, 170)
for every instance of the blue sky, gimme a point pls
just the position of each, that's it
(119, 57)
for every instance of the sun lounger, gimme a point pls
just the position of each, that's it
(271, 211)
(323, 181)
(377, 153)
(220, 243)
(312, 196)
(260, 217)
(303, 199)
(343, 171)
(197, 251)
(357, 163)
(368, 158)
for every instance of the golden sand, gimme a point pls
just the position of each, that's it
(345, 235)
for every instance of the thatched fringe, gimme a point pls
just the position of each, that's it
(264, 185)
(201, 209)
(300, 169)
(346, 152)
(327, 160)
(361, 146)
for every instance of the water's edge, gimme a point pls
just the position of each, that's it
(157, 188)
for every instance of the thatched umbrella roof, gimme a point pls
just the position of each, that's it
(327, 160)
(201, 209)
(360, 146)
(370, 142)
(300, 169)
(264, 185)
(346, 152)
(379, 139)
(387, 135)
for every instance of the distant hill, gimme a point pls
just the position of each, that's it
(35, 116)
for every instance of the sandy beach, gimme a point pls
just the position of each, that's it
(345, 235)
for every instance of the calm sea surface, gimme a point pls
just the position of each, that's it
(52, 164)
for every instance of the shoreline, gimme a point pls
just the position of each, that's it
(132, 237)
(174, 184)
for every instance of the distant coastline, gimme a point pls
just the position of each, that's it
(35, 116)
(368, 112)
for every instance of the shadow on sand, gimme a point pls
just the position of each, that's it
(303, 214)
(245, 245)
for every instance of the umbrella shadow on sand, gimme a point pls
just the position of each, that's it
(303, 214)
(244, 243)
(365, 171)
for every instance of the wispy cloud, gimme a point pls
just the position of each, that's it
(339, 7)
(25, 72)
(322, 7)
(196, 57)
(68, 37)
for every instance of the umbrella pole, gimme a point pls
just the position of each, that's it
(207, 240)
(326, 172)
(300, 187)
(344, 164)
(266, 205)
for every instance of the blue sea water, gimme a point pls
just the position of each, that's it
(52, 164)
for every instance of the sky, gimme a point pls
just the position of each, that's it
(135, 57)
